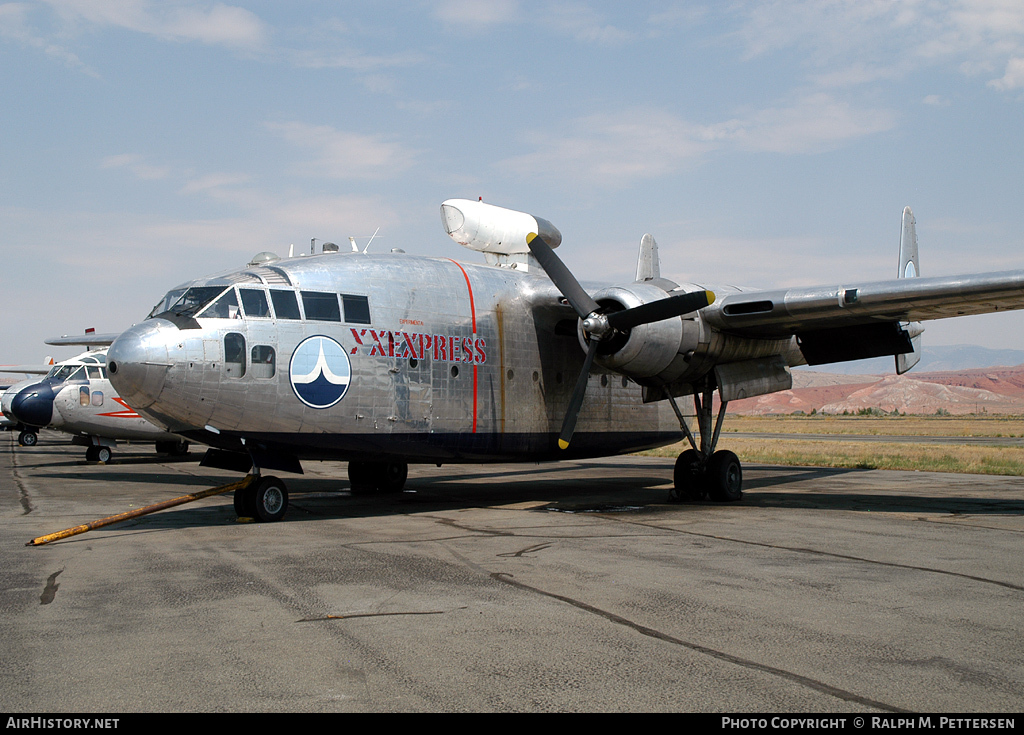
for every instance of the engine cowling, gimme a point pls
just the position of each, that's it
(645, 351)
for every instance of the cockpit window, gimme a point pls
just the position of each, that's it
(254, 302)
(166, 302)
(67, 372)
(285, 304)
(193, 300)
(226, 307)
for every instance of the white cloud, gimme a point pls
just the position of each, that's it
(622, 147)
(14, 25)
(137, 165)
(477, 14)
(218, 24)
(1013, 78)
(341, 154)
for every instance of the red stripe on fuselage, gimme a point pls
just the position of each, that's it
(472, 311)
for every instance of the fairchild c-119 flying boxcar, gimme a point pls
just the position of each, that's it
(385, 359)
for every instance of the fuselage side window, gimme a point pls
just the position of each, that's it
(83, 396)
(264, 361)
(226, 307)
(254, 303)
(322, 307)
(97, 398)
(357, 309)
(286, 306)
(234, 355)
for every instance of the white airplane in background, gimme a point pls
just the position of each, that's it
(386, 359)
(75, 397)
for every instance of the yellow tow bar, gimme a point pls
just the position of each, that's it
(181, 500)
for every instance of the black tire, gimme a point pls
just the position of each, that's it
(360, 476)
(725, 477)
(103, 454)
(271, 499)
(28, 438)
(90, 454)
(392, 477)
(690, 482)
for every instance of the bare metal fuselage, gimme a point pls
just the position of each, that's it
(454, 362)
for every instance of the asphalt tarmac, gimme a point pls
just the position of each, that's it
(554, 587)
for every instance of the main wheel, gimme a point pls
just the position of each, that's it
(361, 476)
(28, 438)
(388, 477)
(689, 480)
(103, 454)
(271, 499)
(392, 477)
(725, 477)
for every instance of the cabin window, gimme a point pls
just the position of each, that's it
(234, 355)
(286, 306)
(95, 373)
(83, 396)
(264, 361)
(254, 303)
(97, 398)
(357, 309)
(322, 307)
(226, 307)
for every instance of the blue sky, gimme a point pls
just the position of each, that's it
(762, 143)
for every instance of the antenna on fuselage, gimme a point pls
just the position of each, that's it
(371, 239)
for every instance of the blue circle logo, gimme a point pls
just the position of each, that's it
(320, 372)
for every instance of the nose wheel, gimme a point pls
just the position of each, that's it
(28, 438)
(265, 500)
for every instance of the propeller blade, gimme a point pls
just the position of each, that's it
(660, 309)
(561, 276)
(569, 424)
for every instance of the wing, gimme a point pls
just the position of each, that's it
(91, 339)
(26, 369)
(857, 320)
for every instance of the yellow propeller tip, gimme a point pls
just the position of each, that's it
(530, 236)
(563, 444)
(711, 296)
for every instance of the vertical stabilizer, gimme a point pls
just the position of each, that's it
(910, 267)
(648, 265)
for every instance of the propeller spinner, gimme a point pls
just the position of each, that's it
(598, 326)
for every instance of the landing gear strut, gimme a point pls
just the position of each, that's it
(702, 472)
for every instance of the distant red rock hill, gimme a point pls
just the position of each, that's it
(998, 390)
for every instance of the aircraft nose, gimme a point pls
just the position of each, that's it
(33, 406)
(137, 361)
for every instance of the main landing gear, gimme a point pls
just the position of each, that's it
(701, 472)
(385, 477)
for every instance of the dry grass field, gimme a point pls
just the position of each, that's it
(819, 449)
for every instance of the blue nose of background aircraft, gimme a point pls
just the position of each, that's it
(33, 406)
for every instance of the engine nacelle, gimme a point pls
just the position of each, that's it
(649, 349)
(490, 229)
